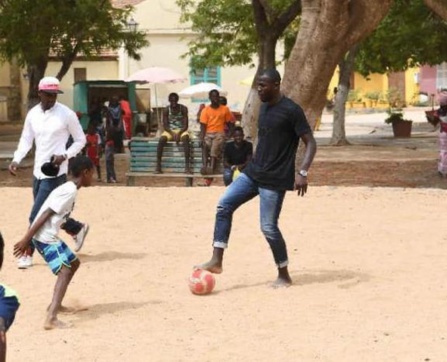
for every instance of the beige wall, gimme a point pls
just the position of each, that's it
(96, 70)
(168, 42)
(4, 83)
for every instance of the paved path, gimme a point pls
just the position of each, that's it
(370, 136)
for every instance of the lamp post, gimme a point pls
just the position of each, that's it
(132, 26)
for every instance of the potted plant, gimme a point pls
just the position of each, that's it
(401, 126)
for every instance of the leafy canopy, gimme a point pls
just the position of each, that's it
(32, 29)
(226, 33)
(410, 35)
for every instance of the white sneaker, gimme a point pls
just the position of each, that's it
(80, 237)
(25, 262)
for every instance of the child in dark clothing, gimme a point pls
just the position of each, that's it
(94, 147)
(237, 154)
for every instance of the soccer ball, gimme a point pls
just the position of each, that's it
(201, 282)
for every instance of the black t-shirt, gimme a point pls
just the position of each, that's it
(238, 155)
(280, 127)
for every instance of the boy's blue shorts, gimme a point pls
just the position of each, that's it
(56, 255)
(9, 303)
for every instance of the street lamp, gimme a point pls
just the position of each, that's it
(132, 25)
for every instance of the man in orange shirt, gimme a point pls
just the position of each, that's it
(127, 117)
(212, 126)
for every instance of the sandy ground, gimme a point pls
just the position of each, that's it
(368, 265)
(367, 255)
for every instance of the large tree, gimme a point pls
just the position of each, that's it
(33, 30)
(230, 32)
(328, 29)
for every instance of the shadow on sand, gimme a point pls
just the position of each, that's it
(109, 256)
(97, 310)
(345, 278)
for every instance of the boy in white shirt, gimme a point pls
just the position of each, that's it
(44, 234)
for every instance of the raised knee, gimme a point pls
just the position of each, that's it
(268, 229)
(223, 210)
(75, 265)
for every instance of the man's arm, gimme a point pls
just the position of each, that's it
(230, 121)
(243, 165)
(165, 121)
(25, 144)
(311, 150)
(79, 140)
(226, 161)
(2, 340)
(22, 245)
(185, 120)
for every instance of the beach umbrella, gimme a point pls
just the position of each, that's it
(156, 75)
(201, 90)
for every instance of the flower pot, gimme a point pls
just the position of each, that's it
(402, 128)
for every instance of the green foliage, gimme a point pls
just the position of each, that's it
(226, 32)
(373, 95)
(32, 29)
(394, 115)
(354, 95)
(410, 35)
(225, 29)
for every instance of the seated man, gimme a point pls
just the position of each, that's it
(175, 125)
(237, 155)
(212, 125)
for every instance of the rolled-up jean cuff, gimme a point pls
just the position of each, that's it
(283, 264)
(220, 244)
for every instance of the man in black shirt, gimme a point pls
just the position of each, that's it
(271, 172)
(237, 154)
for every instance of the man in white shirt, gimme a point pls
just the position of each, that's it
(49, 124)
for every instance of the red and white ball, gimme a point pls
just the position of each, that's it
(201, 282)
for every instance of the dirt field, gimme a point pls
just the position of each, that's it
(368, 265)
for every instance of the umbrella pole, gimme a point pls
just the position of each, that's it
(158, 112)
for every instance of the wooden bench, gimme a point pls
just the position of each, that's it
(143, 160)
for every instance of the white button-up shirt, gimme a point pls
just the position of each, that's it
(50, 131)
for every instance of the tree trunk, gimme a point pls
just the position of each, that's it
(269, 27)
(15, 93)
(328, 30)
(67, 61)
(250, 115)
(438, 6)
(346, 67)
(35, 73)
(266, 52)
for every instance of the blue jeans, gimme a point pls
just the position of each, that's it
(227, 176)
(41, 190)
(239, 192)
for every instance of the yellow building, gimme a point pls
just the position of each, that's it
(401, 89)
